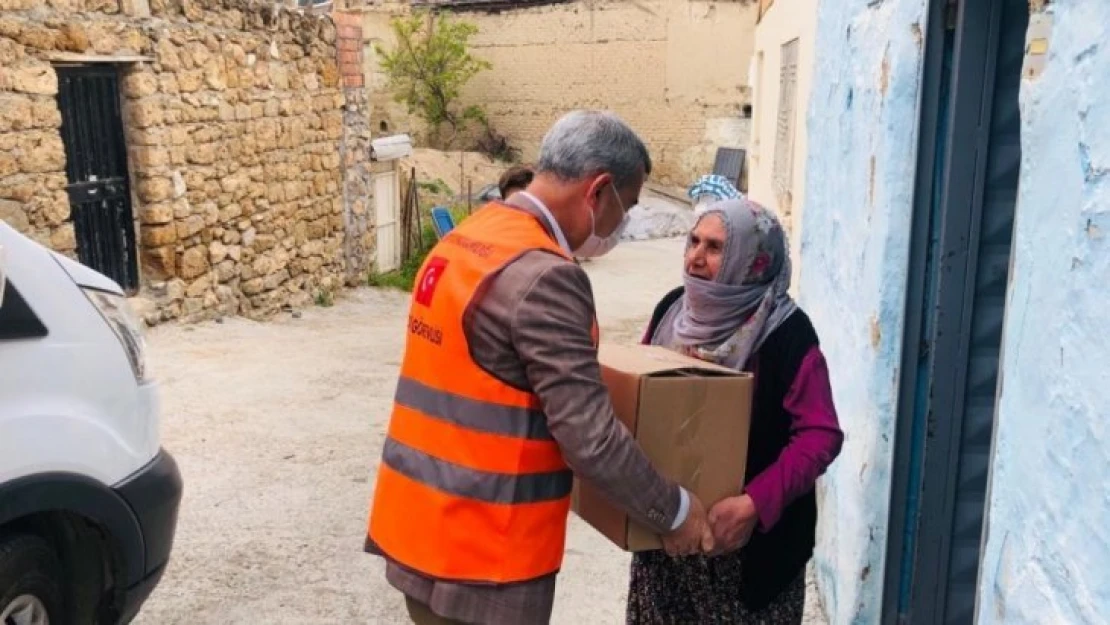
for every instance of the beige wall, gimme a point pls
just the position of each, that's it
(782, 22)
(677, 70)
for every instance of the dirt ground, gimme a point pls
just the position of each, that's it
(453, 169)
(277, 428)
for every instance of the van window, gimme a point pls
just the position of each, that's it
(17, 319)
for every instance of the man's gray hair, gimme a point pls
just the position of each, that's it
(583, 143)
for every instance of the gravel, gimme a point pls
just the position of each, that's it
(278, 427)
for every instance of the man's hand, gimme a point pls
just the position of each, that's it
(733, 520)
(693, 536)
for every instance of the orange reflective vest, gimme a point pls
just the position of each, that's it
(471, 486)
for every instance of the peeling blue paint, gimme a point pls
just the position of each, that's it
(854, 259)
(1048, 542)
(1048, 528)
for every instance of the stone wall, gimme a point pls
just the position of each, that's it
(355, 150)
(676, 70)
(234, 119)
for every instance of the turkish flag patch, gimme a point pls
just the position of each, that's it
(429, 280)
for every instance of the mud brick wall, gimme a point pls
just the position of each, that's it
(676, 70)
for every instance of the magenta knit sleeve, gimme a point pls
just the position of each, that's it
(815, 440)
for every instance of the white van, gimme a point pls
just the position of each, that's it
(88, 499)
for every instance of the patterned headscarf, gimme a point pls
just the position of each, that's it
(727, 319)
(711, 188)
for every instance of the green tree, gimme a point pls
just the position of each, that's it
(429, 67)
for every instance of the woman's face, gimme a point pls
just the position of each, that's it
(705, 247)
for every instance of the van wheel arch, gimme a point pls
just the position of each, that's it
(92, 531)
(89, 563)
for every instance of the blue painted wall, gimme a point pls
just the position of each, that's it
(854, 249)
(1047, 556)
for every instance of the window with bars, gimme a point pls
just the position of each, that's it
(787, 113)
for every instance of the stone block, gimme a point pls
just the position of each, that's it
(159, 263)
(155, 189)
(138, 84)
(194, 262)
(149, 157)
(136, 8)
(55, 208)
(64, 238)
(45, 113)
(253, 286)
(192, 305)
(264, 242)
(202, 154)
(45, 155)
(217, 252)
(145, 114)
(15, 214)
(189, 226)
(156, 236)
(35, 36)
(104, 38)
(167, 83)
(211, 214)
(175, 289)
(275, 280)
(265, 265)
(156, 214)
(215, 74)
(8, 164)
(199, 286)
(18, 113)
(230, 213)
(182, 209)
(10, 52)
(226, 270)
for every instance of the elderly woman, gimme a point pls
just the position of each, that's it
(734, 310)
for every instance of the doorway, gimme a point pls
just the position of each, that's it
(387, 202)
(96, 171)
(967, 182)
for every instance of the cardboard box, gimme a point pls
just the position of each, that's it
(690, 417)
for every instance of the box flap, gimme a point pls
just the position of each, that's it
(650, 360)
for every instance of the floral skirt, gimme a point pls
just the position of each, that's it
(702, 591)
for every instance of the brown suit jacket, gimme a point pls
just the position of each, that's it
(531, 329)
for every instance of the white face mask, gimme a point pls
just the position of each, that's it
(596, 246)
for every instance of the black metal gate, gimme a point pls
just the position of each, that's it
(96, 166)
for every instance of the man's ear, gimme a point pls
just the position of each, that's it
(598, 186)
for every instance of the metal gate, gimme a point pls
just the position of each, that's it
(96, 168)
(963, 226)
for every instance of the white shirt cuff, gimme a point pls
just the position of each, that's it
(683, 509)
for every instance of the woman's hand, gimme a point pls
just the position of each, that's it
(733, 520)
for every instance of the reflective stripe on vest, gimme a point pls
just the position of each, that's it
(471, 487)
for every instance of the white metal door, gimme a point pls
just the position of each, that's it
(387, 211)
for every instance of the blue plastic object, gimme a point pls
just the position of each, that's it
(442, 222)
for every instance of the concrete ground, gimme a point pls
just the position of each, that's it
(278, 427)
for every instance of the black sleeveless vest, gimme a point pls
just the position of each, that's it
(774, 559)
